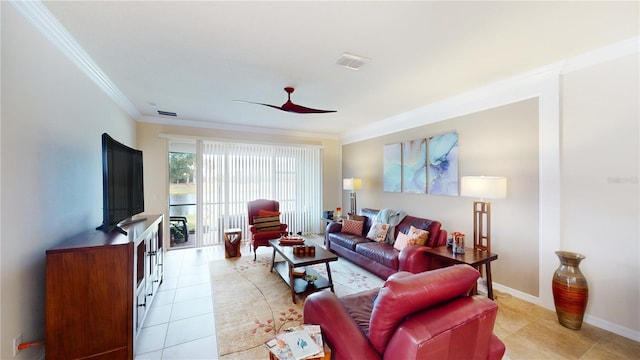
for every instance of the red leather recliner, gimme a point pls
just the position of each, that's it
(261, 238)
(413, 316)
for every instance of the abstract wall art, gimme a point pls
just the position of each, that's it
(414, 166)
(392, 167)
(443, 164)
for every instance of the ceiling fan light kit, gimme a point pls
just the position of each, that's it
(290, 106)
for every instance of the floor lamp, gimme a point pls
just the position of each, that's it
(483, 187)
(352, 185)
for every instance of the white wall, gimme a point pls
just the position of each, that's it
(501, 141)
(600, 197)
(52, 119)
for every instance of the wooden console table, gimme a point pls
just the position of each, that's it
(475, 258)
(99, 289)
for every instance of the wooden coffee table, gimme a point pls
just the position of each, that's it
(291, 261)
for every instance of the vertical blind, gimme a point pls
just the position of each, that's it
(234, 174)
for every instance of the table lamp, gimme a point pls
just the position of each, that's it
(483, 187)
(352, 185)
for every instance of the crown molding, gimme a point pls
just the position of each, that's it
(598, 56)
(521, 87)
(38, 15)
(237, 128)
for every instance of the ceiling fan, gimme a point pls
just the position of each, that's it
(289, 106)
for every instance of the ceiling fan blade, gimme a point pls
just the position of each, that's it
(289, 106)
(299, 109)
(257, 103)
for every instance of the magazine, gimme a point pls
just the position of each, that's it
(299, 343)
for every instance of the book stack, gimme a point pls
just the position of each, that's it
(299, 272)
(299, 343)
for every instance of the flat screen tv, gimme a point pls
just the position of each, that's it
(122, 184)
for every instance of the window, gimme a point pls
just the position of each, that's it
(233, 174)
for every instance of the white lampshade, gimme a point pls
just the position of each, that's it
(351, 184)
(483, 187)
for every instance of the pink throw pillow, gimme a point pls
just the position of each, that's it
(352, 227)
(402, 241)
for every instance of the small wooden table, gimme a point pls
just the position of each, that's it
(291, 261)
(471, 256)
(232, 240)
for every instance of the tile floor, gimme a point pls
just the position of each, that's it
(180, 323)
(533, 332)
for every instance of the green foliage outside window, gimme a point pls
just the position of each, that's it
(181, 167)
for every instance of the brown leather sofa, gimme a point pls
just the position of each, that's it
(413, 316)
(383, 259)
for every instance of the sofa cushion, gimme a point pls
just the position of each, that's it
(351, 216)
(418, 236)
(346, 241)
(381, 253)
(352, 227)
(266, 223)
(419, 223)
(359, 306)
(402, 295)
(402, 241)
(378, 232)
(262, 212)
(369, 214)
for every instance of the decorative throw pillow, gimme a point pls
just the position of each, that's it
(266, 223)
(352, 227)
(420, 236)
(378, 232)
(356, 217)
(267, 213)
(403, 240)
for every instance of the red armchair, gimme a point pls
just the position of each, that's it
(259, 208)
(413, 316)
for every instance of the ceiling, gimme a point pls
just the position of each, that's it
(194, 58)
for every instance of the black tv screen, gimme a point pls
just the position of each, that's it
(122, 183)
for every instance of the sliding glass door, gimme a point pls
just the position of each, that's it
(182, 194)
(228, 175)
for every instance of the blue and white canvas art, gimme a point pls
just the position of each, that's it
(443, 164)
(392, 167)
(414, 166)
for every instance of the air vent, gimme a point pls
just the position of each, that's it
(350, 61)
(166, 113)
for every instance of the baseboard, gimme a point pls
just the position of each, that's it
(614, 328)
(589, 319)
(520, 295)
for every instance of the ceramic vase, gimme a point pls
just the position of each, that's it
(570, 290)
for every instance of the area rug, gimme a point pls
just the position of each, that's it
(251, 304)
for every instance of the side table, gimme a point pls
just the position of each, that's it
(232, 240)
(474, 257)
